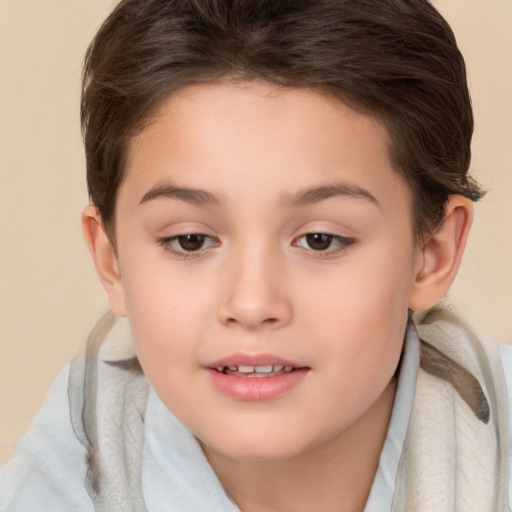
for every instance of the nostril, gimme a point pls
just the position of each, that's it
(272, 321)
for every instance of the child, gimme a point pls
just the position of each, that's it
(276, 186)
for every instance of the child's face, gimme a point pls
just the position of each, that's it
(264, 227)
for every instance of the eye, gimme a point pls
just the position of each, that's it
(323, 242)
(187, 244)
(191, 243)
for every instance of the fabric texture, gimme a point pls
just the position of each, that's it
(107, 397)
(452, 459)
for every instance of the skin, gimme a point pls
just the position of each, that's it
(258, 285)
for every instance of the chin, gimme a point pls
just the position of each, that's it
(263, 446)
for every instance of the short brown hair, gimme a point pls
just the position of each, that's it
(395, 59)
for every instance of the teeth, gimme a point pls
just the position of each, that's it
(246, 369)
(255, 369)
(263, 369)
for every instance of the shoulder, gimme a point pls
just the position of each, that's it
(505, 351)
(49, 465)
(506, 360)
(450, 331)
(453, 334)
(466, 349)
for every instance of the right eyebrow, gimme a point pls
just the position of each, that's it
(193, 196)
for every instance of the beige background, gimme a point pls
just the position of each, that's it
(49, 294)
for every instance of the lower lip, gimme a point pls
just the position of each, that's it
(256, 388)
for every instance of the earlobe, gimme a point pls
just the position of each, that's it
(105, 259)
(441, 254)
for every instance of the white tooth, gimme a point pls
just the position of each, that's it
(245, 369)
(220, 368)
(233, 368)
(263, 369)
(288, 369)
(278, 367)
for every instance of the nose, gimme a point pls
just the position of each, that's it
(255, 295)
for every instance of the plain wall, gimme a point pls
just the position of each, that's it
(49, 293)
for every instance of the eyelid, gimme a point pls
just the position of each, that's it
(344, 242)
(168, 243)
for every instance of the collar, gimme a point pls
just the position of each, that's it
(176, 475)
(383, 487)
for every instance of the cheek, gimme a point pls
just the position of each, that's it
(360, 316)
(157, 292)
(366, 292)
(167, 318)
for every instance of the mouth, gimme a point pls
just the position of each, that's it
(255, 378)
(255, 371)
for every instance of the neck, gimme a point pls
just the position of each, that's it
(337, 475)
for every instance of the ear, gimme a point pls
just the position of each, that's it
(105, 259)
(440, 256)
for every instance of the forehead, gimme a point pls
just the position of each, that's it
(227, 135)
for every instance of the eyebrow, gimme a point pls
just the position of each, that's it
(189, 195)
(310, 196)
(306, 197)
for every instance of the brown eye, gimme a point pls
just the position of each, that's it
(319, 241)
(187, 245)
(324, 244)
(192, 242)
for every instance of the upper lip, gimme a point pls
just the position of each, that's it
(241, 359)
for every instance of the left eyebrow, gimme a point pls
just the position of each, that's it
(310, 196)
(189, 195)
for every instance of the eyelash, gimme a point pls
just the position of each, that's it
(170, 244)
(343, 244)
